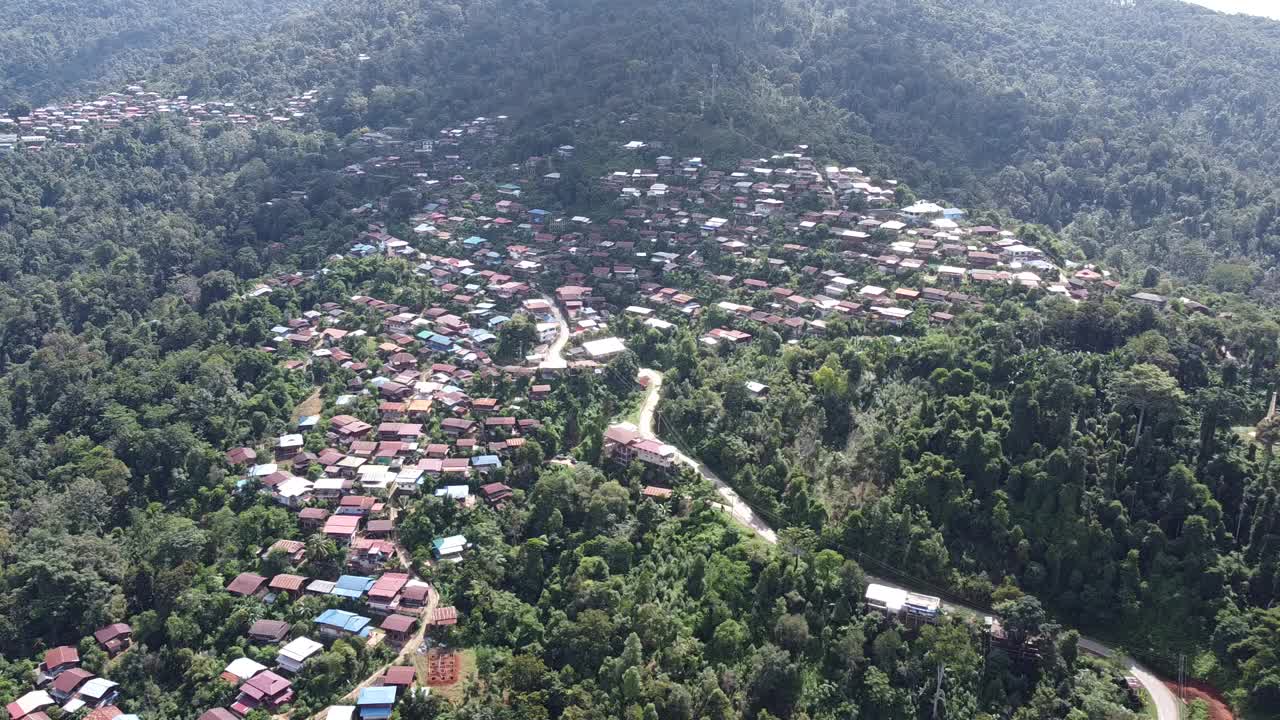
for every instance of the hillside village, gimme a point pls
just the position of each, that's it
(67, 124)
(449, 398)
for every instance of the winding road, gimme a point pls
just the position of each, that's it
(555, 353)
(1167, 706)
(732, 503)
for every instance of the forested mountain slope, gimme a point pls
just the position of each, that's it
(50, 49)
(1140, 128)
(1095, 453)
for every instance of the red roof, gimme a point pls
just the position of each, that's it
(444, 616)
(342, 525)
(397, 623)
(104, 713)
(313, 513)
(246, 584)
(416, 592)
(111, 632)
(67, 682)
(388, 586)
(287, 582)
(399, 675)
(266, 684)
(62, 655)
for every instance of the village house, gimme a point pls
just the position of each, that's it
(287, 584)
(398, 628)
(265, 690)
(623, 443)
(414, 598)
(449, 549)
(30, 706)
(67, 683)
(241, 669)
(248, 585)
(333, 624)
(56, 661)
(268, 632)
(114, 638)
(294, 656)
(376, 703)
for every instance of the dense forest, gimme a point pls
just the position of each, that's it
(54, 51)
(1096, 456)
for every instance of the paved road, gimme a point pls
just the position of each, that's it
(555, 353)
(1167, 706)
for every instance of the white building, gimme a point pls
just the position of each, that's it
(294, 655)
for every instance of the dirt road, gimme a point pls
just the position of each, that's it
(732, 503)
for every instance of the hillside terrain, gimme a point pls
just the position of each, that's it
(599, 359)
(1140, 128)
(50, 51)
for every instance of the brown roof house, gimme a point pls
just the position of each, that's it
(399, 628)
(288, 584)
(248, 585)
(114, 638)
(268, 631)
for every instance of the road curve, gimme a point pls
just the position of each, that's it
(732, 503)
(555, 353)
(1167, 707)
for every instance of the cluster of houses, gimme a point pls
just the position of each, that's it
(68, 124)
(61, 682)
(397, 604)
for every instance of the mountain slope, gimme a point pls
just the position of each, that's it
(51, 49)
(1135, 126)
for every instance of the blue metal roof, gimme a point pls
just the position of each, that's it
(352, 586)
(474, 240)
(377, 695)
(486, 461)
(342, 620)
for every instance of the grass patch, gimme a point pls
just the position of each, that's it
(311, 406)
(630, 410)
(1247, 433)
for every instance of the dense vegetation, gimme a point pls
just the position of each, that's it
(1086, 454)
(52, 50)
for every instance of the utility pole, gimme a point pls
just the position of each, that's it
(1244, 501)
(1182, 684)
